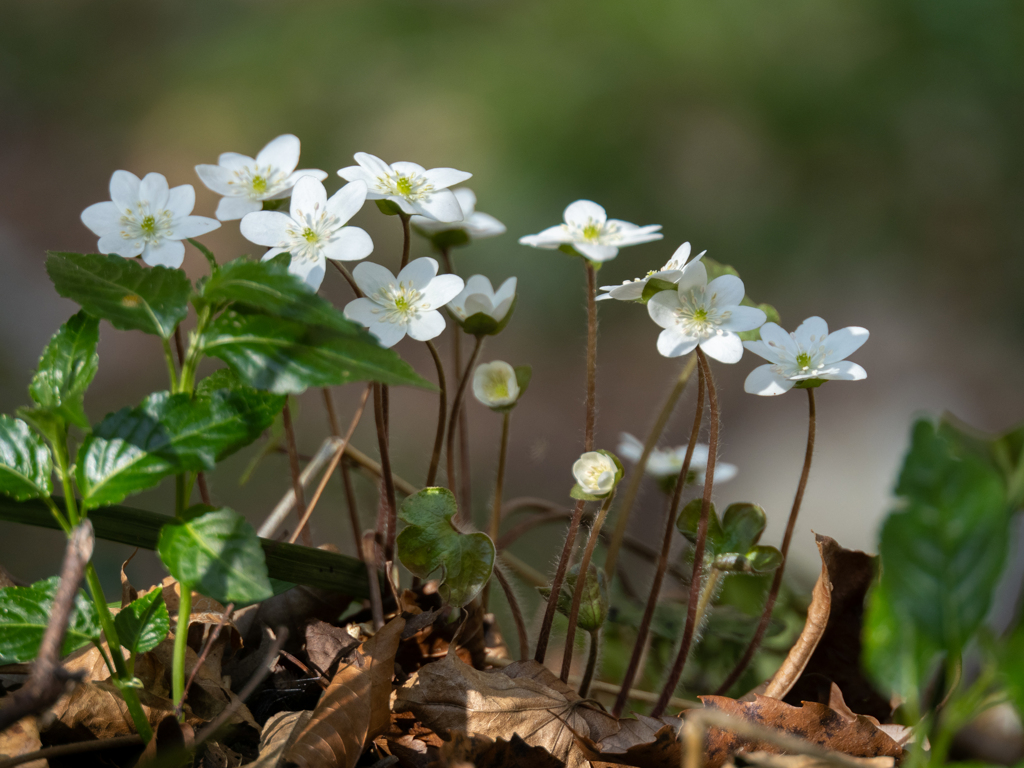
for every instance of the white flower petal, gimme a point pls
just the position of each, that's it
(694, 276)
(776, 338)
(231, 208)
(372, 278)
(192, 226)
(268, 228)
(629, 292)
(124, 189)
(726, 291)
(761, 349)
(662, 308)
(362, 311)
(102, 218)
(630, 448)
(350, 244)
(848, 371)
(419, 272)
(218, 178)
(672, 343)
(680, 256)
(596, 252)
(293, 177)
(441, 290)
(636, 235)
(441, 205)
(481, 225)
(427, 325)
(310, 271)
(584, 212)
(467, 200)
(373, 164)
(153, 190)
(388, 334)
(181, 200)
(234, 161)
(112, 242)
(811, 332)
(844, 342)
(406, 168)
(442, 178)
(764, 381)
(551, 237)
(477, 302)
(479, 284)
(346, 202)
(166, 253)
(744, 319)
(358, 173)
(308, 196)
(725, 348)
(501, 309)
(282, 153)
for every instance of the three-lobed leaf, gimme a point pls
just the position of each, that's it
(25, 612)
(287, 357)
(430, 542)
(134, 448)
(66, 369)
(731, 543)
(122, 291)
(25, 465)
(144, 623)
(218, 554)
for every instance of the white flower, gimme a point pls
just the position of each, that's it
(407, 304)
(705, 314)
(495, 385)
(246, 182)
(413, 188)
(588, 229)
(810, 352)
(479, 296)
(146, 218)
(474, 223)
(314, 230)
(667, 462)
(633, 290)
(596, 473)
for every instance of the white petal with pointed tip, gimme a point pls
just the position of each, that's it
(350, 244)
(725, 348)
(124, 189)
(193, 226)
(764, 381)
(346, 202)
(446, 177)
(102, 218)
(167, 253)
(844, 342)
(153, 190)
(268, 228)
(372, 278)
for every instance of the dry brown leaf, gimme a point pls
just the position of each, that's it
(355, 707)
(278, 733)
(813, 722)
(650, 742)
(769, 760)
(415, 745)
(525, 698)
(128, 592)
(20, 739)
(205, 611)
(484, 752)
(326, 644)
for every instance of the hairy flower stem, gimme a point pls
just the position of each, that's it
(464, 516)
(495, 527)
(180, 648)
(464, 481)
(698, 547)
(348, 277)
(588, 442)
(442, 414)
(387, 515)
(707, 594)
(406, 237)
(622, 521)
(293, 466)
(581, 580)
(773, 592)
(592, 656)
(666, 545)
(517, 613)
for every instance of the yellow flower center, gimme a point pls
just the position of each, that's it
(148, 225)
(309, 235)
(404, 185)
(259, 184)
(803, 360)
(592, 231)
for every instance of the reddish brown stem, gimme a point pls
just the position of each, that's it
(293, 465)
(442, 413)
(698, 548)
(387, 513)
(464, 516)
(666, 545)
(556, 583)
(773, 593)
(517, 614)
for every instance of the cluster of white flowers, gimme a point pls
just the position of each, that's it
(667, 462)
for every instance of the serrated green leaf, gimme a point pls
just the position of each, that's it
(430, 541)
(268, 286)
(222, 378)
(66, 369)
(25, 468)
(25, 612)
(122, 291)
(287, 357)
(144, 623)
(217, 554)
(593, 600)
(134, 448)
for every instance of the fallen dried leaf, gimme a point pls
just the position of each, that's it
(415, 745)
(355, 707)
(278, 734)
(483, 752)
(770, 760)
(813, 722)
(128, 592)
(326, 644)
(20, 739)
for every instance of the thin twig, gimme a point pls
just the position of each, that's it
(406, 237)
(210, 640)
(77, 748)
(387, 513)
(773, 593)
(442, 414)
(373, 467)
(517, 613)
(204, 489)
(464, 515)
(353, 509)
(48, 680)
(666, 545)
(699, 545)
(293, 465)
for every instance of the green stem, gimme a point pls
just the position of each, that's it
(632, 489)
(169, 359)
(181, 495)
(442, 415)
(707, 594)
(60, 451)
(180, 647)
(187, 380)
(58, 515)
(595, 651)
(130, 696)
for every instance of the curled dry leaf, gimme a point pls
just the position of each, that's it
(525, 698)
(484, 752)
(415, 745)
(355, 707)
(813, 722)
(20, 739)
(650, 742)
(829, 648)
(326, 644)
(278, 734)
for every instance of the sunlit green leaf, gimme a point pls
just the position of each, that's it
(66, 369)
(217, 554)
(25, 468)
(430, 542)
(25, 612)
(144, 623)
(122, 291)
(593, 600)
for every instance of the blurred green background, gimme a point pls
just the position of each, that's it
(862, 161)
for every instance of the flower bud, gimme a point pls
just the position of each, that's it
(596, 473)
(495, 384)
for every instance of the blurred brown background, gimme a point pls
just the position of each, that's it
(861, 161)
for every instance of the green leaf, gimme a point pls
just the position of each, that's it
(430, 541)
(268, 286)
(122, 291)
(217, 554)
(482, 324)
(25, 468)
(579, 494)
(25, 612)
(757, 559)
(731, 543)
(66, 369)
(287, 357)
(144, 623)
(1011, 666)
(688, 524)
(1004, 452)
(942, 554)
(388, 207)
(593, 599)
(445, 239)
(134, 448)
(742, 526)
